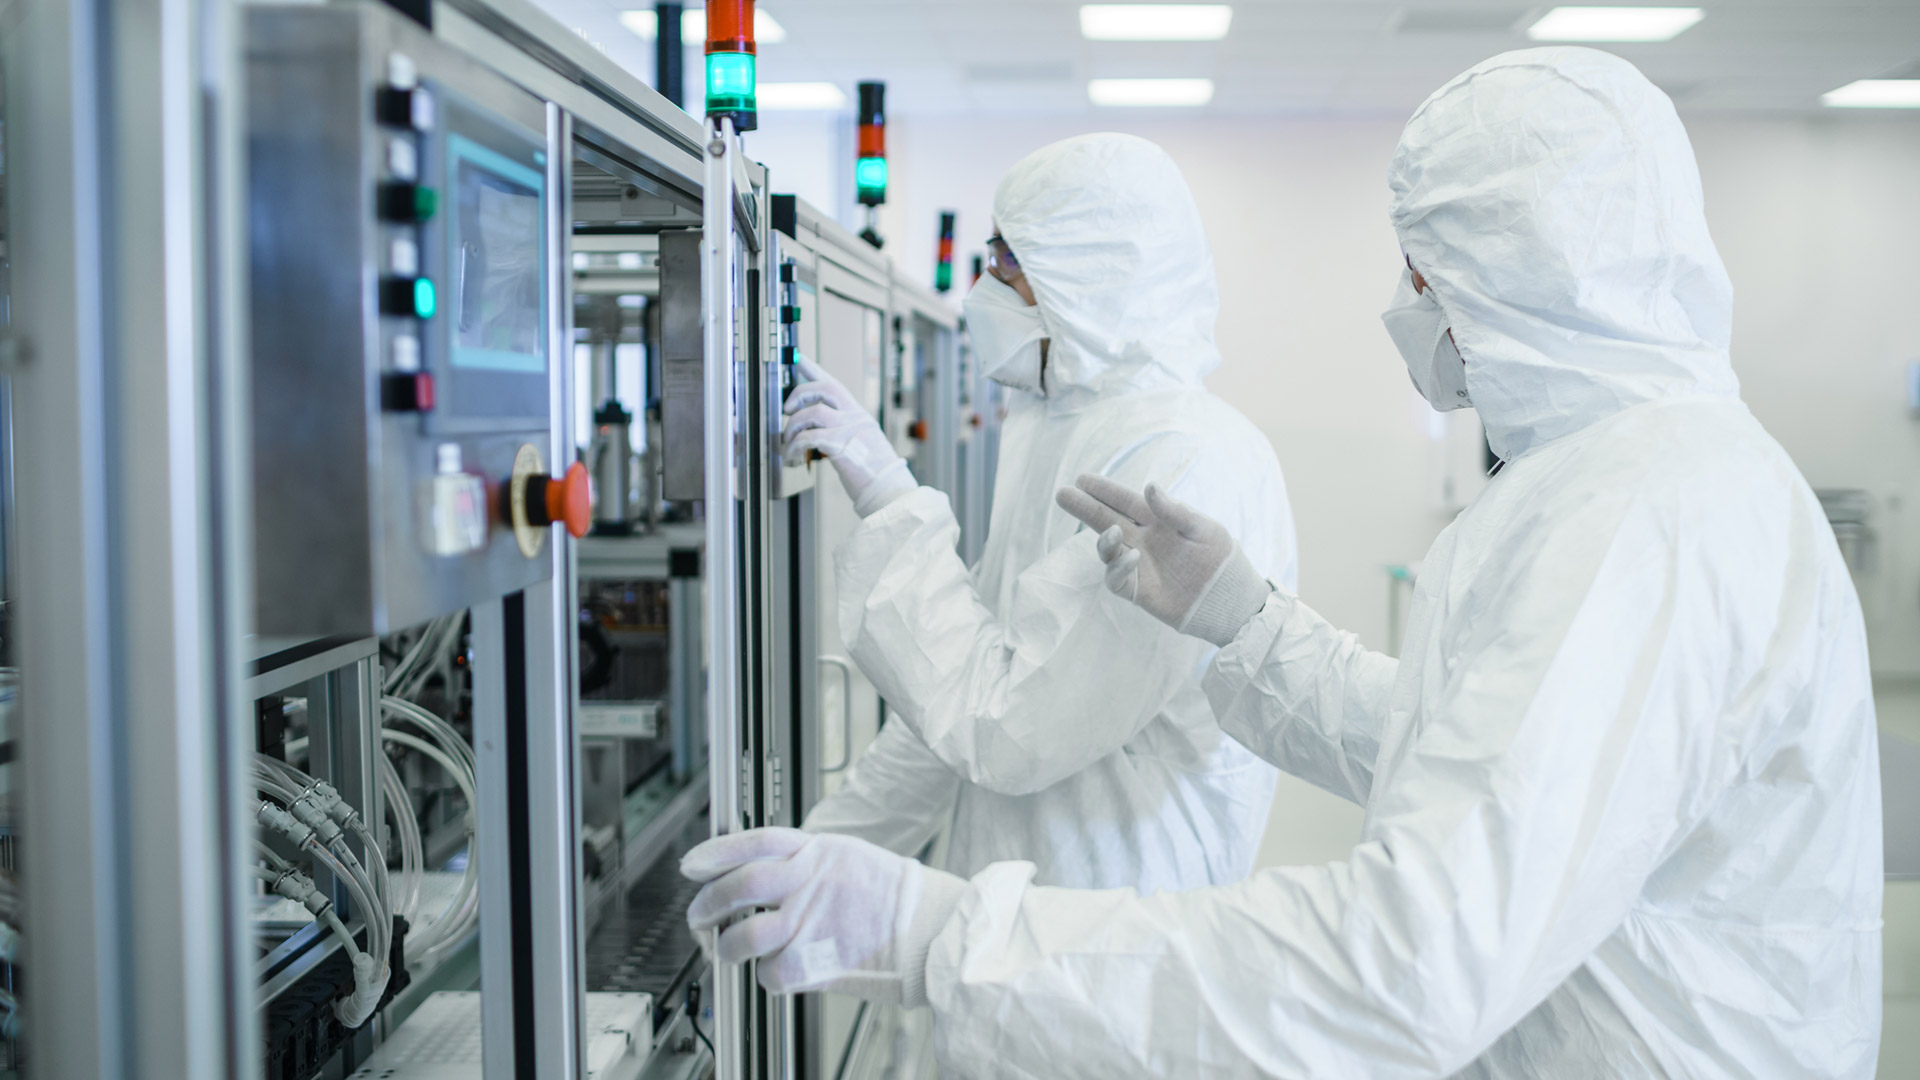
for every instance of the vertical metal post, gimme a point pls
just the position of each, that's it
(527, 752)
(686, 673)
(669, 53)
(720, 619)
(343, 734)
(118, 132)
(492, 841)
(552, 757)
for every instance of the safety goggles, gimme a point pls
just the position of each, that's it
(1000, 261)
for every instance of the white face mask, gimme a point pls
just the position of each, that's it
(1006, 333)
(1419, 330)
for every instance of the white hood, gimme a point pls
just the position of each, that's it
(1111, 241)
(1551, 199)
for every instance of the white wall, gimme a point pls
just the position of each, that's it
(1818, 220)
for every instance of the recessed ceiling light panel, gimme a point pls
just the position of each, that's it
(1155, 22)
(1875, 94)
(1150, 92)
(1614, 23)
(643, 22)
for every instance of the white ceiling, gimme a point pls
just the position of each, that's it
(1324, 57)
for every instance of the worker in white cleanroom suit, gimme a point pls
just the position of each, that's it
(1623, 808)
(1043, 717)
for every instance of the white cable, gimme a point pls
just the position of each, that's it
(406, 829)
(444, 926)
(433, 725)
(407, 660)
(340, 860)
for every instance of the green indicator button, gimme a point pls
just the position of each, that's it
(870, 175)
(425, 300)
(408, 202)
(730, 82)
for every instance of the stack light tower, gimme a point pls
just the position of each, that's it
(732, 78)
(979, 267)
(943, 272)
(870, 169)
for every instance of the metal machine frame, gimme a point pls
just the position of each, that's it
(131, 554)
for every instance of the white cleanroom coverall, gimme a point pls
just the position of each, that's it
(1621, 788)
(1048, 719)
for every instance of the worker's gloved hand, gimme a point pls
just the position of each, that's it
(823, 415)
(841, 914)
(1179, 564)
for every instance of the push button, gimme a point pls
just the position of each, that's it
(404, 107)
(408, 203)
(562, 500)
(407, 392)
(531, 500)
(414, 296)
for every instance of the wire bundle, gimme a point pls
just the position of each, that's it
(312, 816)
(444, 747)
(407, 724)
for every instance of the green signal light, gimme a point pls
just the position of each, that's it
(425, 202)
(870, 175)
(425, 300)
(943, 277)
(731, 81)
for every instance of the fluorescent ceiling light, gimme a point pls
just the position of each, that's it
(1155, 22)
(1875, 94)
(1614, 23)
(800, 95)
(1142, 92)
(693, 26)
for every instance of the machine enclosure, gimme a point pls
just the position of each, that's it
(342, 476)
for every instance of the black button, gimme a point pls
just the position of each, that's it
(404, 108)
(401, 201)
(407, 392)
(407, 296)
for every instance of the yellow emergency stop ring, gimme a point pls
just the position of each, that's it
(526, 465)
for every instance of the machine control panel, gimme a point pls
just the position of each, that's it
(401, 311)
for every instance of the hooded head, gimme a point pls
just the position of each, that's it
(1111, 242)
(1551, 200)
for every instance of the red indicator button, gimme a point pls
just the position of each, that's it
(407, 393)
(565, 500)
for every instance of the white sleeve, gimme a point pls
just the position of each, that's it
(1304, 695)
(1013, 702)
(1566, 748)
(897, 795)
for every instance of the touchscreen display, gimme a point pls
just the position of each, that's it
(496, 256)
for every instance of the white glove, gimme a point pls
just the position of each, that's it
(824, 416)
(1182, 566)
(843, 915)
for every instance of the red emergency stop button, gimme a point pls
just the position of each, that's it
(917, 430)
(565, 500)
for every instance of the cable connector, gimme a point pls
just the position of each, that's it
(284, 823)
(339, 809)
(370, 984)
(300, 889)
(311, 809)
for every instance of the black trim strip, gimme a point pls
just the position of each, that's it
(519, 846)
(285, 657)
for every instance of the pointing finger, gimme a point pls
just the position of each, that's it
(1122, 499)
